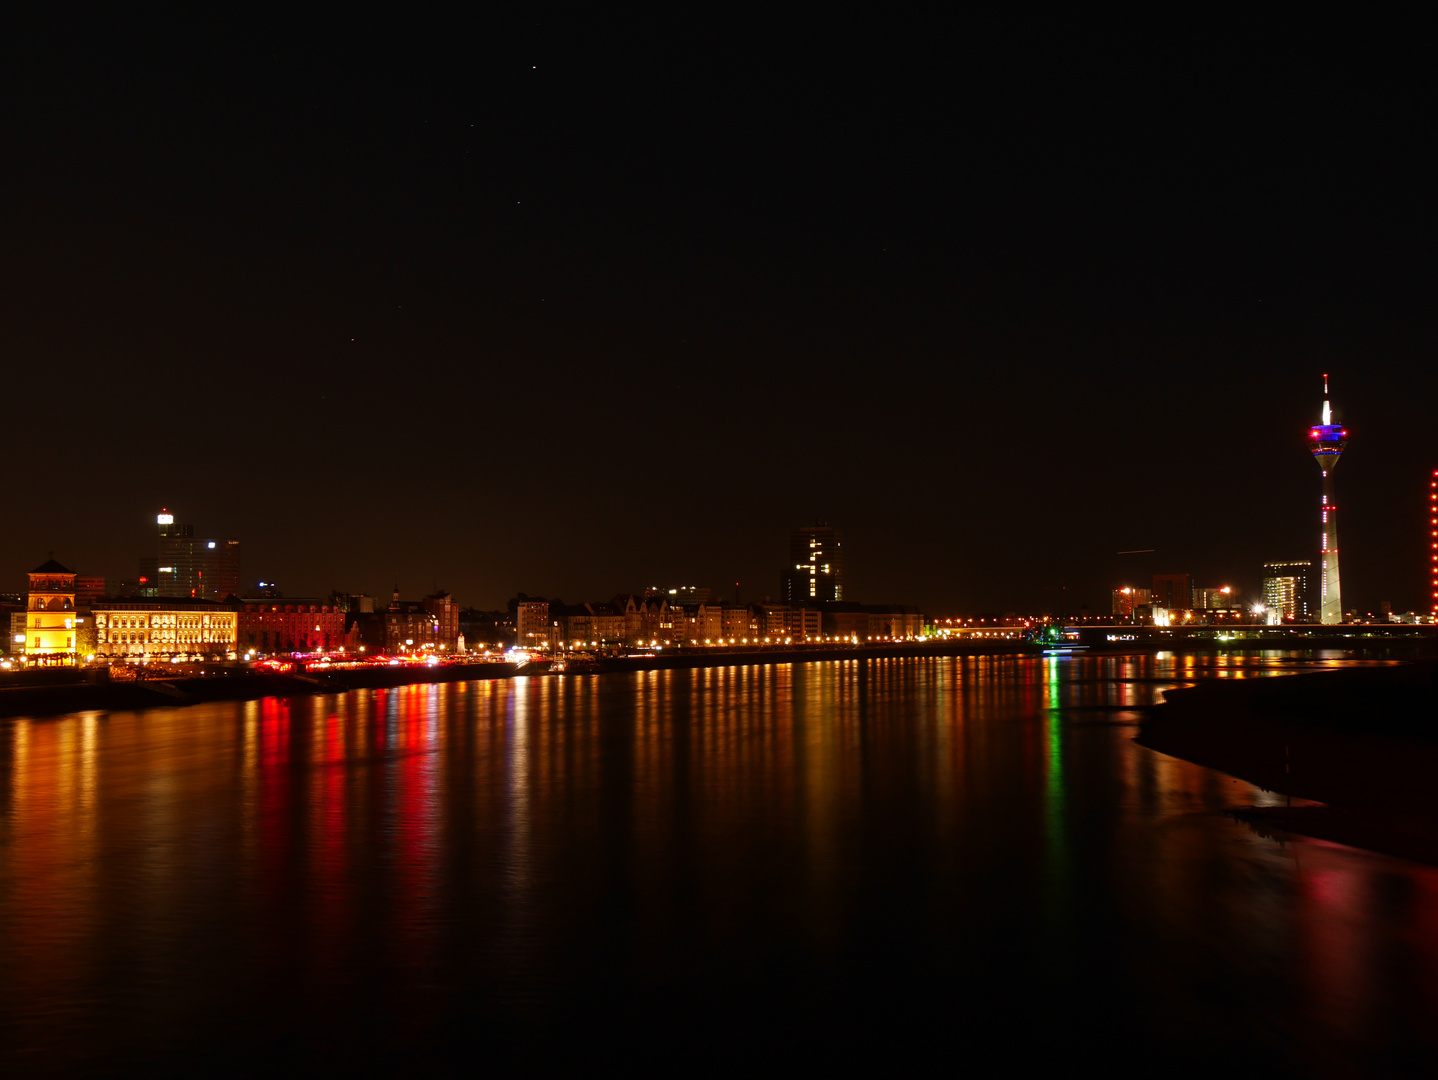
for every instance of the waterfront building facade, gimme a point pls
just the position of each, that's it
(277, 625)
(409, 626)
(134, 628)
(442, 606)
(49, 634)
(531, 624)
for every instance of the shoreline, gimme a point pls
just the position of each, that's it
(1362, 742)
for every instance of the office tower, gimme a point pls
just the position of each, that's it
(190, 567)
(1327, 441)
(1288, 591)
(1433, 541)
(1220, 599)
(1173, 592)
(1127, 600)
(816, 565)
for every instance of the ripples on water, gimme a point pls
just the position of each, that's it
(830, 863)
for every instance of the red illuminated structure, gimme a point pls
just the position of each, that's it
(1327, 442)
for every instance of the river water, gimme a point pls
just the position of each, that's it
(956, 863)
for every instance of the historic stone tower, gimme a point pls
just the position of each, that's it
(50, 615)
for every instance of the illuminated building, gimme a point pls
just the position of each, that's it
(1433, 541)
(794, 622)
(12, 618)
(1288, 591)
(274, 624)
(1172, 592)
(871, 622)
(1127, 600)
(531, 624)
(50, 615)
(1213, 599)
(446, 614)
(740, 622)
(643, 616)
(408, 625)
(816, 565)
(1327, 441)
(87, 591)
(187, 566)
(678, 594)
(137, 629)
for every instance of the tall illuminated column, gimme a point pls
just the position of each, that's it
(1433, 539)
(1327, 442)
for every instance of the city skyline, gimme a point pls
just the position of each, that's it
(810, 547)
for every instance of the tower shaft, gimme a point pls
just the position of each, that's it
(1327, 442)
(1330, 594)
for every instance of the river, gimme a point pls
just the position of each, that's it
(961, 863)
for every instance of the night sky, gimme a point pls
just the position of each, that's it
(577, 308)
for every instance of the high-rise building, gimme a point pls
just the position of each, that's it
(1288, 591)
(1127, 601)
(816, 565)
(1172, 592)
(679, 594)
(1327, 441)
(190, 567)
(87, 591)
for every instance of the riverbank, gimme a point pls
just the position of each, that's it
(69, 690)
(1362, 741)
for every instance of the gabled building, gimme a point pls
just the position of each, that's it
(446, 616)
(409, 626)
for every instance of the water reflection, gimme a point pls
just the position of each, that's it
(854, 846)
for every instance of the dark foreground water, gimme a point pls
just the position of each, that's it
(962, 865)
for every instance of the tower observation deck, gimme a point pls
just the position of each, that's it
(1327, 442)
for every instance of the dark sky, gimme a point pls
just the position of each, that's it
(575, 308)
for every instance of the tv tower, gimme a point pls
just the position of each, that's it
(1327, 443)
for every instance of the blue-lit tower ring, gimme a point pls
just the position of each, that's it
(1327, 441)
